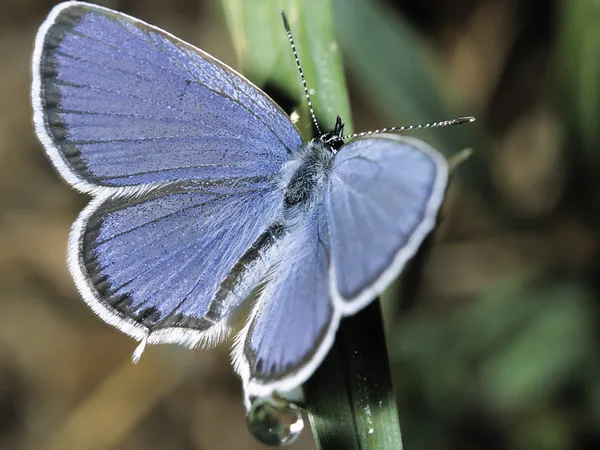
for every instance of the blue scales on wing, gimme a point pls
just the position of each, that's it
(182, 155)
(383, 197)
(124, 103)
(176, 258)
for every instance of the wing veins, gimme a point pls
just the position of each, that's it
(148, 269)
(93, 63)
(173, 275)
(148, 139)
(187, 208)
(119, 50)
(223, 78)
(133, 97)
(146, 172)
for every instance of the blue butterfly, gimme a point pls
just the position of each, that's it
(203, 192)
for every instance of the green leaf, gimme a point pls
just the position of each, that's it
(578, 58)
(351, 399)
(541, 355)
(266, 55)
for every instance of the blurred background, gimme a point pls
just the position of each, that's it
(494, 334)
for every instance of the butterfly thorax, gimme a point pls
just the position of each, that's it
(306, 173)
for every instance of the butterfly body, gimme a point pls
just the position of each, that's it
(306, 174)
(203, 190)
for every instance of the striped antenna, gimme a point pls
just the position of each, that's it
(286, 24)
(445, 123)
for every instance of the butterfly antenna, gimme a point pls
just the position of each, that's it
(286, 24)
(445, 123)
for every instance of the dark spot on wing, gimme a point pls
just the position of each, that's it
(148, 316)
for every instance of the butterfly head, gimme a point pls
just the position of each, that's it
(333, 139)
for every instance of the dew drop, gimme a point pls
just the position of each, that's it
(274, 421)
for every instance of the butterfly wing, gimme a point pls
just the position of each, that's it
(292, 326)
(383, 197)
(171, 264)
(182, 154)
(381, 200)
(120, 103)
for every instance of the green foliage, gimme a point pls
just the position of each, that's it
(579, 70)
(396, 72)
(509, 350)
(265, 53)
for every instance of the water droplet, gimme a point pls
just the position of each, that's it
(274, 421)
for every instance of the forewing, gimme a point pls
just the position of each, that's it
(171, 264)
(383, 198)
(118, 102)
(292, 326)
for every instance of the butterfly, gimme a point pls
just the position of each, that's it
(204, 192)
